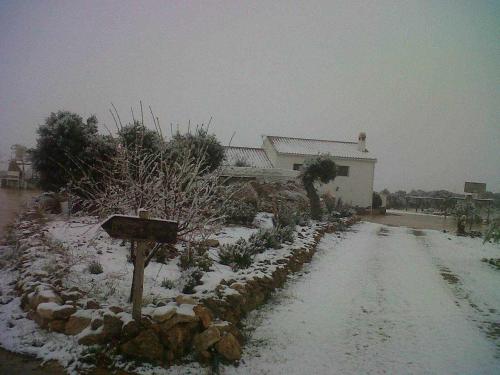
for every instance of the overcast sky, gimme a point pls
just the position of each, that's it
(421, 78)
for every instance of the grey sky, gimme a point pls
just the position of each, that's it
(421, 78)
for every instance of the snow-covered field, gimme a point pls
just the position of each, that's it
(375, 302)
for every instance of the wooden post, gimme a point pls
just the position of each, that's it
(138, 286)
(488, 218)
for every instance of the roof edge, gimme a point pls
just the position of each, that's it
(334, 156)
(311, 139)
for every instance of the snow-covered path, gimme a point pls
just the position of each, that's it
(373, 302)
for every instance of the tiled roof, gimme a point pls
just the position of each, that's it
(304, 146)
(254, 157)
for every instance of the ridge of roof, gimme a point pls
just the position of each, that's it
(311, 139)
(245, 147)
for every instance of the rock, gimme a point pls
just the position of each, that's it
(64, 312)
(181, 299)
(146, 345)
(130, 329)
(229, 348)
(32, 315)
(57, 326)
(43, 296)
(96, 323)
(70, 296)
(239, 287)
(206, 339)
(177, 339)
(51, 310)
(116, 309)
(49, 203)
(112, 325)
(77, 323)
(227, 327)
(163, 313)
(204, 314)
(212, 242)
(185, 314)
(92, 305)
(91, 337)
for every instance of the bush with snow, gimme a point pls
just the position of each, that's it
(238, 255)
(239, 212)
(95, 268)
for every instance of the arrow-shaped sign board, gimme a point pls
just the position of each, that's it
(139, 229)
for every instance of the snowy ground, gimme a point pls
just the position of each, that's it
(375, 300)
(86, 242)
(380, 301)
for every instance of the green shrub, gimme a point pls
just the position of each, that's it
(168, 284)
(161, 255)
(329, 201)
(202, 145)
(287, 215)
(196, 256)
(285, 234)
(493, 233)
(191, 280)
(376, 200)
(239, 255)
(270, 238)
(265, 239)
(95, 267)
(237, 212)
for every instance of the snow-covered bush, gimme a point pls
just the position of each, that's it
(95, 267)
(202, 145)
(238, 255)
(493, 233)
(287, 214)
(196, 256)
(238, 212)
(190, 279)
(172, 180)
(329, 202)
(167, 283)
(170, 184)
(67, 147)
(265, 239)
(285, 234)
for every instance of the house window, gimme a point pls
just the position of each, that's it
(297, 167)
(342, 170)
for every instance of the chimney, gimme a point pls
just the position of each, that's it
(362, 142)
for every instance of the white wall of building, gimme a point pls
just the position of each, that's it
(355, 189)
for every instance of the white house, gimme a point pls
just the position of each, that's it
(281, 158)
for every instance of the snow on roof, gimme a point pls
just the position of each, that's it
(254, 157)
(305, 146)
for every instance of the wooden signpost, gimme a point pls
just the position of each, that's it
(141, 229)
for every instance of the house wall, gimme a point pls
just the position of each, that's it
(355, 189)
(271, 152)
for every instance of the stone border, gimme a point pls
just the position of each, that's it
(167, 332)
